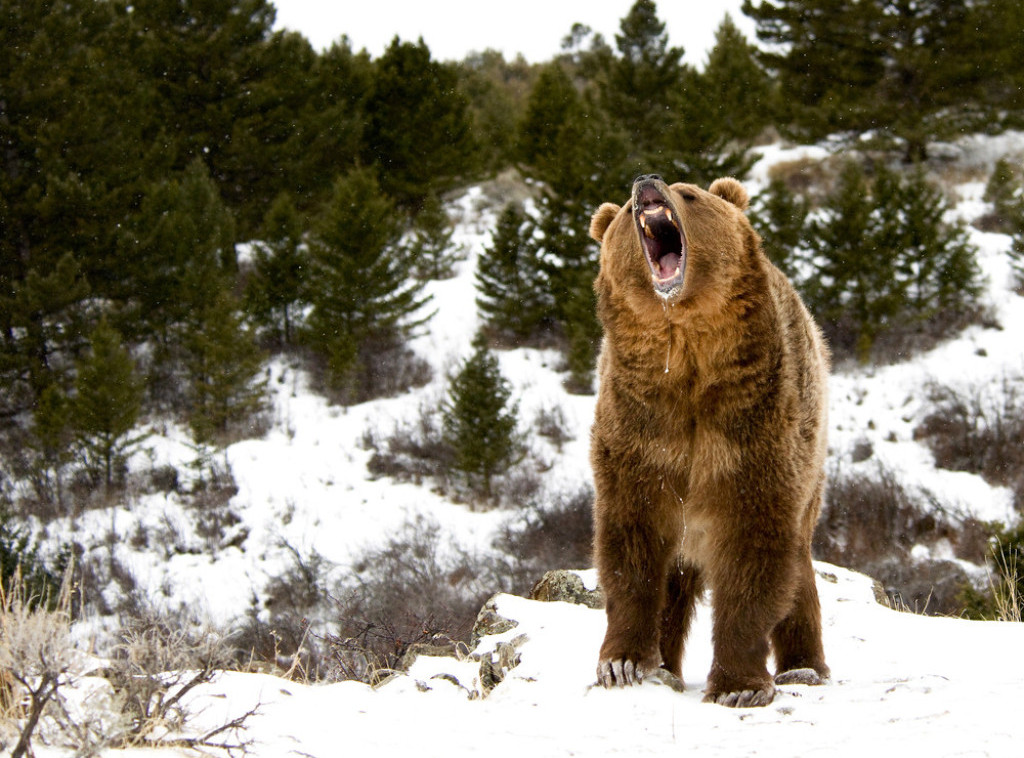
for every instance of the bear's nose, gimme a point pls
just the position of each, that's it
(648, 178)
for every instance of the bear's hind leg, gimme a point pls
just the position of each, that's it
(684, 587)
(796, 640)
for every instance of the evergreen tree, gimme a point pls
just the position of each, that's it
(854, 292)
(330, 127)
(479, 420)
(885, 260)
(915, 70)
(553, 102)
(44, 320)
(432, 253)
(280, 261)
(1017, 255)
(418, 132)
(203, 61)
(179, 252)
(512, 295)
(224, 363)
(51, 439)
(642, 85)
(569, 261)
(936, 259)
(496, 91)
(20, 559)
(780, 217)
(108, 398)
(740, 105)
(1005, 191)
(360, 295)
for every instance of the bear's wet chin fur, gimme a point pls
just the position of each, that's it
(708, 444)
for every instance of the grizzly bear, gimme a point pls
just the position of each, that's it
(708, 444)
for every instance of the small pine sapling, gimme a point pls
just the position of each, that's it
(479, 420)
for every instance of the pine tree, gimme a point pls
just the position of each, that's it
(1017, 254)
(908, 70)
(512, 295)
(886, 261)
(108, 398)
(360, 294)
(570, 263)
(418, 132)
(643, 83)
(479, 420)
(280, 262)
(855, 292)
(180, 254)
(936, 259)
(742, 93)
(45, 318)
(432, 252)
(51, 440)
(1005, 190)
(225, 392)
(780, 216)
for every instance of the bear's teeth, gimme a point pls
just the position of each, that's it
(668, 214)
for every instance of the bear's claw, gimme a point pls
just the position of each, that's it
(742, 699)
(619, 673)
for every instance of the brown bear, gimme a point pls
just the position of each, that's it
(708, 444)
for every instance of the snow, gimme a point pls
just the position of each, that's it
(938, 686)
(901, 682)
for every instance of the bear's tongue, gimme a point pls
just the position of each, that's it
(668, 265)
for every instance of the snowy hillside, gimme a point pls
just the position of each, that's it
(304, 489)
(901, 682)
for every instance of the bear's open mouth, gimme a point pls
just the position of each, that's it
(661, 237)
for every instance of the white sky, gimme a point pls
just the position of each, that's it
(535, 28)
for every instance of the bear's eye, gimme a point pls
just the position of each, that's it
(688, 196)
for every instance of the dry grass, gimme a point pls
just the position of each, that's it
(1006, 589)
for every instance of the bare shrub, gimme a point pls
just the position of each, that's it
(36, 655)
(139, 699)
(870, 522)
(544, 538)
(295, 603)
(979, 429)
(415, 451)
(810, 177)
(154, 669)
(551, 424)
(416, 588)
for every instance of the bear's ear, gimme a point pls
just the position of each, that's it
(602, 219)
(731, 190)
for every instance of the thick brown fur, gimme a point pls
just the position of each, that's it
(707, 449)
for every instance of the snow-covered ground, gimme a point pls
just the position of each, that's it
(901, 682)
(902, 685)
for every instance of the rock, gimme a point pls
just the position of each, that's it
(489, 622)
(568, 587)
(440, 649)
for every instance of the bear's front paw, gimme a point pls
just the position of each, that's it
(622, 673)
(743, 699)
(806, 676)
